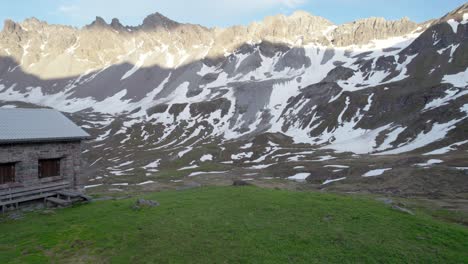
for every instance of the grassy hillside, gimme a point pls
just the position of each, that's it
(233, 225)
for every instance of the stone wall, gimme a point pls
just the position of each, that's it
(26, 158)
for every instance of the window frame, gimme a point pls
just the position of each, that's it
(54, 170)
(12, 176)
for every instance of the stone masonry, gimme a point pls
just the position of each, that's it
(26, 158)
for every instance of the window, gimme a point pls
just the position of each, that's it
(49, 168)
(7, 173)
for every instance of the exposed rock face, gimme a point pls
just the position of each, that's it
(240, 183)
(44, 49)
(10, 27)
(156, 21)
(363, 31)
(142, 203)
(115, 24)
(98, 23)
(299, 28)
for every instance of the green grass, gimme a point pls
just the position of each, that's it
(234, 225)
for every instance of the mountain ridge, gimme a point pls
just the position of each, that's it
(287, 92)
(298, 14)
(298, 29)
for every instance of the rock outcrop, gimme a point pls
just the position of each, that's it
(363, 31)
(167, 43)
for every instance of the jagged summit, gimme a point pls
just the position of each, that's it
(99, 22)
(194, 42)
(33, 20)
(10, 26)
(156, 21)
(457, 14)
(115, 24)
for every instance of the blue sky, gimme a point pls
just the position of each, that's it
(220, 13)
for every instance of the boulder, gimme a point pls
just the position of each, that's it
(142, 203)
(240, 183)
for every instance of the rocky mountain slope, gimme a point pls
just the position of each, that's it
(286, 90)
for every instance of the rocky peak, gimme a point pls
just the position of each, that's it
(33, 24)
(300, 27)
(33, 21)
(156, 21)
(115, 24)
(11, 26)
(457, 14)
(99, 22)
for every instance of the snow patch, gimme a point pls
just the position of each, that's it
(453, 24)
(458, 80)
(446, 149)
(92, 186)
(337, 166)
(206, 157)
(243, 155)
(8, 106)
(246, 146)
(144, 183)
(299, 177)
(429, 163)
(205, 172)
(438, 131)
(324, 158)
(183, 152)
(189, 167)
(333, 180)
(451, 95)
(153, 165)
(261, 166)
(376, 172)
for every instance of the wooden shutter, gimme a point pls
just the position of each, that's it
(49, 168)
(7, 173)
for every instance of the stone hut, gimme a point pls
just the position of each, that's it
(39, 147)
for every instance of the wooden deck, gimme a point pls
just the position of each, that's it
(57, 193)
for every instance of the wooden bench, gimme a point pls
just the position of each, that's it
(70, 194)
(58, 201)
(67, 197)
(15, 196)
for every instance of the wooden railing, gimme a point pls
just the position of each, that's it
(14, 196)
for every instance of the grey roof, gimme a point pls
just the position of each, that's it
(37, 125)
